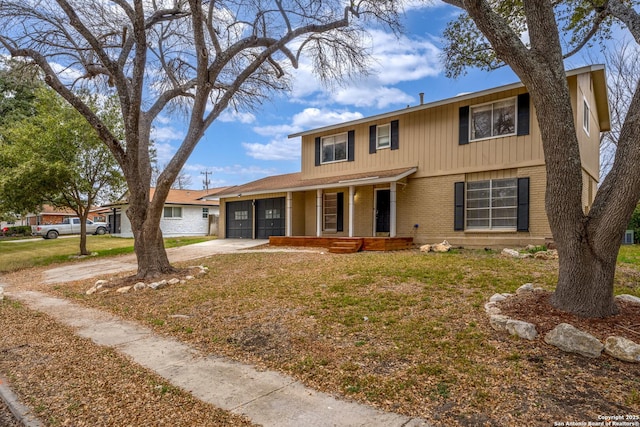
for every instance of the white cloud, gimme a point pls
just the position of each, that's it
(394, 60)
(379, 96)
(403, 59)
(236, 116)
(308, 118)
(276, 149)
(166, 133)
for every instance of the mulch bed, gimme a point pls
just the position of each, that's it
(536, 308)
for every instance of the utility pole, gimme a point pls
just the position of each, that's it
(206, 179)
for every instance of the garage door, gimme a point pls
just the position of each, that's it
(239, 219)
(270, 217)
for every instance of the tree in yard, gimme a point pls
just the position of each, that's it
(533, 38)
(55, 157)
(197, 57)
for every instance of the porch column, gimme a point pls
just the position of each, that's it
(289, 214)
(352, 195)
(319, 212)
(392, 210)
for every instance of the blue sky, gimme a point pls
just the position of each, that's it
(244, 146)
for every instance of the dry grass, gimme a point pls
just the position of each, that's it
(69, 381)
(402, 331)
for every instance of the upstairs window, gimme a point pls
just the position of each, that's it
(586, 114)
(383, 138)
(494, 119)
(334, 148)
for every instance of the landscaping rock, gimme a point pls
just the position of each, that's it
(629, 298)
(570, 339)
(1, 293)
(101, 283)
(157, 285)
(522, 329)
(546, 255)
(425, 248)
(441, 247)
(189, 278)
(492, 308)
(173, 281)
(124, 289)
(527, 287)
(139, 286)
(91, 291)
(622, 348)
(497, 298)
(499, 322)
(510, 253)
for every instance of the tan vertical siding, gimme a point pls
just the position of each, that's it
(429, 140)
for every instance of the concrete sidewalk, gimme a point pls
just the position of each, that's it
(267, 398)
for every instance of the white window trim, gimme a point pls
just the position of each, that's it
(586, 116)
(346, 140)
(491, 209)
(515, 132)
(382, 147)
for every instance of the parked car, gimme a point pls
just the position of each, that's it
(68, 226)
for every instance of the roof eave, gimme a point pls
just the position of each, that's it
(459, 98)
(339, 184)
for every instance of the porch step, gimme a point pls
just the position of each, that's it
(346, 246)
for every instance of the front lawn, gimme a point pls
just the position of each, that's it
(403, 331)
(17, 255)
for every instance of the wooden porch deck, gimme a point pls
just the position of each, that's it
(345, 244)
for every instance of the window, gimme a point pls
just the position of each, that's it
(172, 212)
(330, 212)
(492, 204)
(383, 139)
(334, 148)
(586, 114)
(495, 119)
(205, 212)
(241, 215)
(272, 213)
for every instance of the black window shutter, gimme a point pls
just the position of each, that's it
(318, 151)
(340, 219)
(523, 114)
(373, 136)
(351, 145)
(523, 204)
(395, 136)
(463, 137)
(458, 218)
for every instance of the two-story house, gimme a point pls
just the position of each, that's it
(469, 169)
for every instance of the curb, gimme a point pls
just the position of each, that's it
(21, 412)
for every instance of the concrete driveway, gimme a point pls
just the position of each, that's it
(124, 263)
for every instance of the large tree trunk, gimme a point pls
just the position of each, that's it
(150, 252)
(585, 278)
(148, 244)
(587, 255)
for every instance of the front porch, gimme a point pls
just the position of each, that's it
(345, 244)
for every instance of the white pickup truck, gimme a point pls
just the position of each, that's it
(68, 226)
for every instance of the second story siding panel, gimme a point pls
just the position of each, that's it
(428, 139)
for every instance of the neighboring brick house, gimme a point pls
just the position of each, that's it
(49, 215)
(468, 169)
(186, 213)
